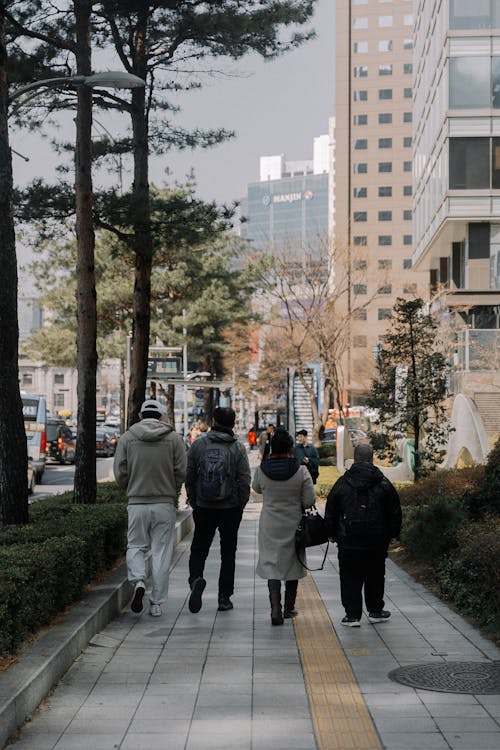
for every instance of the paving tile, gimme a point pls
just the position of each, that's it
(472, 740)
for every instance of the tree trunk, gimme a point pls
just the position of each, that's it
(170, 405)
(85, 489)
(13, 459)
(142, 233)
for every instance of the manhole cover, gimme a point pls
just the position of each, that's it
(482, 678)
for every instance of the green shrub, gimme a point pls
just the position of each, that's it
(327, 450)
(486, 499)
(430, 532)
(45, 564)
(472, 578)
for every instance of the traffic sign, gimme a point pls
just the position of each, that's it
(162, 368)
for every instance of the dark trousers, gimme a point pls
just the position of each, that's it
(360, 568)
(291, 586)
(206, 522)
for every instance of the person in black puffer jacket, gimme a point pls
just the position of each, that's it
(363, 515)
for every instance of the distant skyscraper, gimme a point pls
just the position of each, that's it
(287, 210)
(373, 172)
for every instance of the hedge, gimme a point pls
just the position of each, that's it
(45, 565)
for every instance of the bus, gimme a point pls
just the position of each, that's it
(35, 426)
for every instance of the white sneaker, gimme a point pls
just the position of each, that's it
(155, 610)
(139, 591)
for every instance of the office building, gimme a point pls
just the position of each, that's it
(373, 174)
(287, 210)
(457, 182)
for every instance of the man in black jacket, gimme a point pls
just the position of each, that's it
(307, 455)
(218, 488)
(363, 515)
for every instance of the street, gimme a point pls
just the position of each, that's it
(57, 478)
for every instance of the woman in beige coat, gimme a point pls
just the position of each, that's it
(286, 488)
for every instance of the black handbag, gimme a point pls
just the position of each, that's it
(311, 532)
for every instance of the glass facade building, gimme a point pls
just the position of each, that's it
(288, 215)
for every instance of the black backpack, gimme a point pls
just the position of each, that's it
(362, 514)
(215, 473)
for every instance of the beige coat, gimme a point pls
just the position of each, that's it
(281, 512)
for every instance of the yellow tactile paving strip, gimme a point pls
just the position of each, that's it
(340, 717)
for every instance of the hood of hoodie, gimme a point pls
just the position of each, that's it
(363, 475)
(150, 430)
(279, 469)
(217, 436)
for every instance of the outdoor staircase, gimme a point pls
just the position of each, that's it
(488, 406)
(302, 405)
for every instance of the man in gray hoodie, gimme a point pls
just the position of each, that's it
(150, 464)
(218, 488)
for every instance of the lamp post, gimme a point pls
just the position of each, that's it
(13, 460)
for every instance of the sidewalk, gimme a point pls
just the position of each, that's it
(229, 680)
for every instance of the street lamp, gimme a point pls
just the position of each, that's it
(111, 79)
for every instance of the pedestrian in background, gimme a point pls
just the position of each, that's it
(363, 514)
(265, 441)
(197, 429)
(307, 455)
(218, 488)
(286, 488)
(150, 464)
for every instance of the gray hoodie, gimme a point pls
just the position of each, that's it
(150, 462)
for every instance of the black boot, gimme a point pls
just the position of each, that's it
(289, 609)
(276, 612)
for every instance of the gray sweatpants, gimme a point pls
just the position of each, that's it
(151, 527)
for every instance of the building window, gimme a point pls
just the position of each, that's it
(469, 163)
(360, 22)
(59, 400)
(408, 93)
(384, 313)
(407, 68)
(385, 215)
(27, 378)
(407, 215)
(406, 263)
(360, 2)
(385, 166)
(361, 95)
(359, 314)
(359, 342)
(360, 71)
(495, 163)
(359, 288)
(385, 289)
(59, 378)
(469, 82)
(385, 263)
(360, 216)
(385, 45)
(465, 14)
(361, 119)
(407, 141)
(479, 240)
(407, 117)
(408, 19)
(360, 240)
(384, 21)
(407, 166)
(407, 190)
(410, 289)
(360, 265)
(360, 192)
(385, 118)
(385, 191)
(385, 142)
(407, 43)
(407, 239)
(384, 240)
(360, 168)
(385, 93)
(385, 69)
(361, 47)
(360, 144)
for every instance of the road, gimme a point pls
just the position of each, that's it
(57, 478)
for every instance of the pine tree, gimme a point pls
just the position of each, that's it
(410, 390)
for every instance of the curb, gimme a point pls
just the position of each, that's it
(26, 683)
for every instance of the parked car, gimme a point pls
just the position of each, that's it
(104, 445)
(61, 445)
(357, 436)
(329, 435)
(113, 432)
(31, 476)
